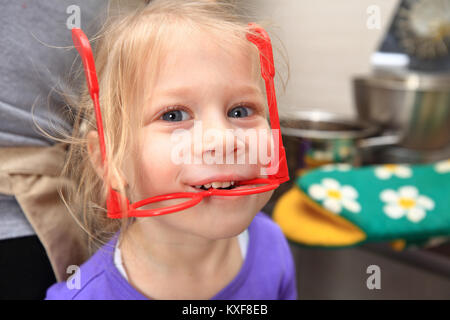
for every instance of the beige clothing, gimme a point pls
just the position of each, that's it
(32, 175)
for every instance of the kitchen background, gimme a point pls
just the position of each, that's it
(328, 42)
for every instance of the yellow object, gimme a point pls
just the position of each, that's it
(398, 245)
(304, 221)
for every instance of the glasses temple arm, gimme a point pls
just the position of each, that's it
(83, 47)
(261, 39)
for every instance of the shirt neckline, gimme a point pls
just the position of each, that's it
(235, 283)
(118, 263)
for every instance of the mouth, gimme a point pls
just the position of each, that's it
(226, 182)
(220, 185)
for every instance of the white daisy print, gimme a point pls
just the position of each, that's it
(406, 202)
(386, 171)
(336, 167)
(443, 166)
(334, 196)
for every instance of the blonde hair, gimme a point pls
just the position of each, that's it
(127, 52)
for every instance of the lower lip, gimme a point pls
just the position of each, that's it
(222, 198)
(226, 197)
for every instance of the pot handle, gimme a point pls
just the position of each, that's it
(380, 141)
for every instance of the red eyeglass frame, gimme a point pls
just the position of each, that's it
(259, 37)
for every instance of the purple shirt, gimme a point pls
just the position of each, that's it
(267, 273)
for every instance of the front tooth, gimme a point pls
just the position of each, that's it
(216, 185)
(225, 184)
(207, 186)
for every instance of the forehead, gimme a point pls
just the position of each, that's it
(199, 59)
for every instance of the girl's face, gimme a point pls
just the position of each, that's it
(200, 83)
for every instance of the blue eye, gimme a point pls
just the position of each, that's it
(175, 115)
(240, 112)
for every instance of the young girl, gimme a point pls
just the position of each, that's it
(170, 66)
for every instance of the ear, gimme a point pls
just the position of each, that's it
(95, 157)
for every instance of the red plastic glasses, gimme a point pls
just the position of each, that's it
(259, 37)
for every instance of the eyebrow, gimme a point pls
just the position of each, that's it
(183, 90)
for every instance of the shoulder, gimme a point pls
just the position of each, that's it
(90, 281)
(268, 235)
(273, 254)
(69, 290)
(265, 229)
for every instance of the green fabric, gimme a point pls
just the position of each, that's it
(409, 216)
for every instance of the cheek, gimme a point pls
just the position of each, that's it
(155, 171)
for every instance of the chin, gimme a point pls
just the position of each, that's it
(229, 227)
(217, 218)
(226, 218)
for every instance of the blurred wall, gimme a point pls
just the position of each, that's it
(327, 42)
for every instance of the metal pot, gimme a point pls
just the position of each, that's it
(415, 105)
(314, 138)
(397, 154)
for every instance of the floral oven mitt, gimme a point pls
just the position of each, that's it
(339, 205)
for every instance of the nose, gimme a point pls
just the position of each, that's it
(215, 141)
